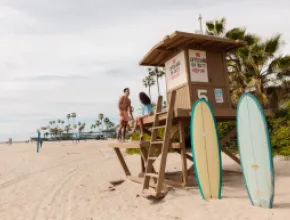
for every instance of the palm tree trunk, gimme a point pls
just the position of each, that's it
(149, 92)
(274, 99)
(157, 85)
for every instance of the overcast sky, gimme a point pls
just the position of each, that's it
(62, 56)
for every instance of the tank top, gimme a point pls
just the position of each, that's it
(146, 109)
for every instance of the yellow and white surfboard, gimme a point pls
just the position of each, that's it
(206, 151)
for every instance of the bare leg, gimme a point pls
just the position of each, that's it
(138, 121)
(135, 125)
(124, 129)
(121, 124)
(141, 128)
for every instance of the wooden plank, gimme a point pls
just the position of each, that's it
(138, 145)
(225, 113)
(226, 138)
(143, 157)
(222, 113)
(122, 161)
(173, 132)
(131, 144)
(149, 120)
(183, 153)
(188, 77)
(145, 154)
(166, 143)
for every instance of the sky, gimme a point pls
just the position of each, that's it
(63, 56)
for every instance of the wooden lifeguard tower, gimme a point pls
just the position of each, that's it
(195, 67)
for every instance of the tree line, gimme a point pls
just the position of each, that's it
(58, 127)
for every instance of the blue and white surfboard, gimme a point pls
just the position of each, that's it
(255, 151)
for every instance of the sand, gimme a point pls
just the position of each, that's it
(69, 181)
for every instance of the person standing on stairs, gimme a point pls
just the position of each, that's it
(124, 108)
(146, 110)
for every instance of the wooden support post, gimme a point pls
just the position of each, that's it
(173, 132)
(122, 161)
(225, 139)
(142, 163)
(141, 139)
(183, 153)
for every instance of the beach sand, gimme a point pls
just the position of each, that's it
(69, 181)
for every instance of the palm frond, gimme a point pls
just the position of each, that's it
(161, 73)
(243, 52)
(209, 26)
(251, 39)
(272, 45)
(220, 26)
(236, 34)
(148, 81)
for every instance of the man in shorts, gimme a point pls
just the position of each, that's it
(124, 108)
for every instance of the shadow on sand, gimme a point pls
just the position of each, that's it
(282, 206)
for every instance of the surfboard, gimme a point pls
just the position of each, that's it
(255, 151)
(206, 151)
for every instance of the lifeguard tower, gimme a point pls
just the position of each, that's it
(195, 67)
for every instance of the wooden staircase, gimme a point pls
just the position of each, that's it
(161, 147)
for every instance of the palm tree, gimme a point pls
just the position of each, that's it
(254, 63)
(93, 127)
(82, 127)
(67, 128)
(111, 125)
(43, 129)
(148, 81)
(158, 74)
(250, 65)
(164, 105)
(216, 27)
(51, 130)
(50, 123)
(62, 122)
(107, 121)
(68, 116)
(98, 123)
(101, 117)
(73, 115)
(58, 121)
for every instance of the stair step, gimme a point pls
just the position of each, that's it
(154, 175)
(156, 142)
(160, 113)
(157, 127)
(152, 158)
